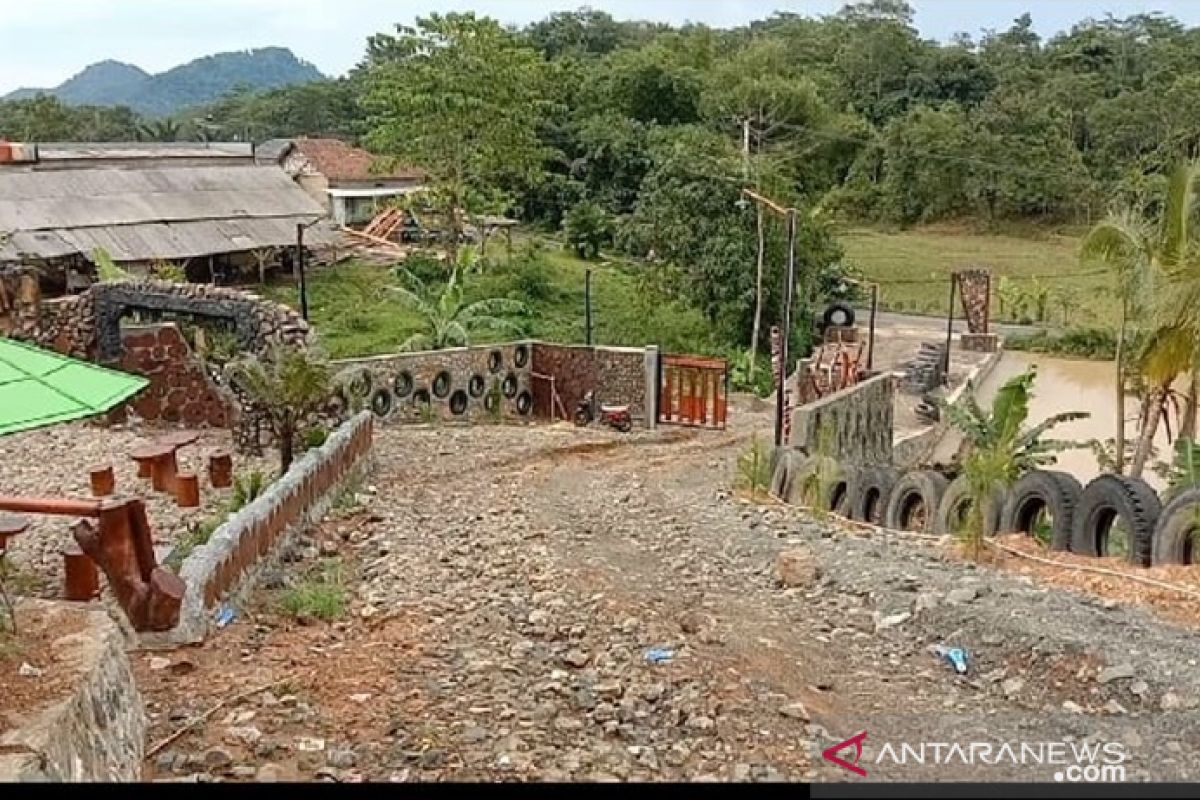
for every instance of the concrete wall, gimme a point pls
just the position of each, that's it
(254, 536)
(859, 421)
(97, 732)
(395, 387)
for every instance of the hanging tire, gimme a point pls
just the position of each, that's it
(1107, 500)
(956, 505)
(1177, 534)
(838, 315)
(1043, 490)
(870, 492)
(914, 502)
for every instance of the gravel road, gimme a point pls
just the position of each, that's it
(549, 604)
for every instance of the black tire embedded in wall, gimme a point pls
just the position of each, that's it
(338, 405)
(403, 384)
(510, 387)
(361, 384)
(840, 315)
(458, 403)
(870, 493)
(381, 402)
(495, 361)
(835, 493)
(521, 356)
(914, 502)
(1107, 500)
(476, 386)
(1050, 491)
(957, 504)
(1177, 534)
(441, 385)
(524, 404)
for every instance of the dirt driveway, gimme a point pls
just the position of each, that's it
(549, 604)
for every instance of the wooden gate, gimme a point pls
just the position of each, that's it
(693, 391)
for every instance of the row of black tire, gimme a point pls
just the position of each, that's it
(1080, 519)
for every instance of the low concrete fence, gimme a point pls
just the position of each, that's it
(252, 537)
(918, 447)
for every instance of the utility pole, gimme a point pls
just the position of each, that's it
(760, 256)
(300, 270)
(587, 306)
(789, 291)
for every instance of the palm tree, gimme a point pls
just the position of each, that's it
(288, 384)
(163, 130)
(447, 319)
(1000, 448)
(1158, 277)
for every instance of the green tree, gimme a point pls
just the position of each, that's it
(1159, 253)
(289, 384)
(460, 96)
(587, 228)
(447, 320)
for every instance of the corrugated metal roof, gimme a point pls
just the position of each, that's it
(63, 151)
(145, 214)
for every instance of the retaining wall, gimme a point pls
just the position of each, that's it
(250, 539)
(858, 421)
(97, 733)
(181, 388)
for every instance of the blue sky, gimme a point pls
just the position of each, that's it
(43, 42)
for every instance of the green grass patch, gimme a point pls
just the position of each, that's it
(356, 314)
(913, 269)
(1094, 343)
(321, 595)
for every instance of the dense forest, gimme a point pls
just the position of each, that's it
(640, 136)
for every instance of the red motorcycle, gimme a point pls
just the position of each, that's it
(614, 416)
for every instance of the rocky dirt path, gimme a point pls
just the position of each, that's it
(549, 604)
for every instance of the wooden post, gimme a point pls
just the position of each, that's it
(163, 471)
(220, 470)
(102, 480)
(81, 579)
(187, 490)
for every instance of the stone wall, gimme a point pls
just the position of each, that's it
(97, 733)
(181, 388)
(459, 384)
(858, 421)
(255, 535)
(616, 374)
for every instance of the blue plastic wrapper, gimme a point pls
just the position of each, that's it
(659, 655)
(225, 615)
(956, 657)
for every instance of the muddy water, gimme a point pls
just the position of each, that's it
(1073, 385)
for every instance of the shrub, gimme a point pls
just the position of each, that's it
(588, 228)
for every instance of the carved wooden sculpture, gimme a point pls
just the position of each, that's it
(122, 546)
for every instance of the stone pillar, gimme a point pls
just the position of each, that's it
(651, 365)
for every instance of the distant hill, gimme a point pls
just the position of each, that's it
(113, 83)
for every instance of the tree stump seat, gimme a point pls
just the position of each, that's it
(157, 461)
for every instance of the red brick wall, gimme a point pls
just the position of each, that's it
(180, 388)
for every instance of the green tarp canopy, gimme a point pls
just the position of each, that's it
(38, 387)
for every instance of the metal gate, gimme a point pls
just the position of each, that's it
(693, 391)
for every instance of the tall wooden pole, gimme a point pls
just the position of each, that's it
(587, 306)
(786, 333)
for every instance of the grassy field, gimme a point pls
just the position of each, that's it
(356, 315)
(912, 268)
